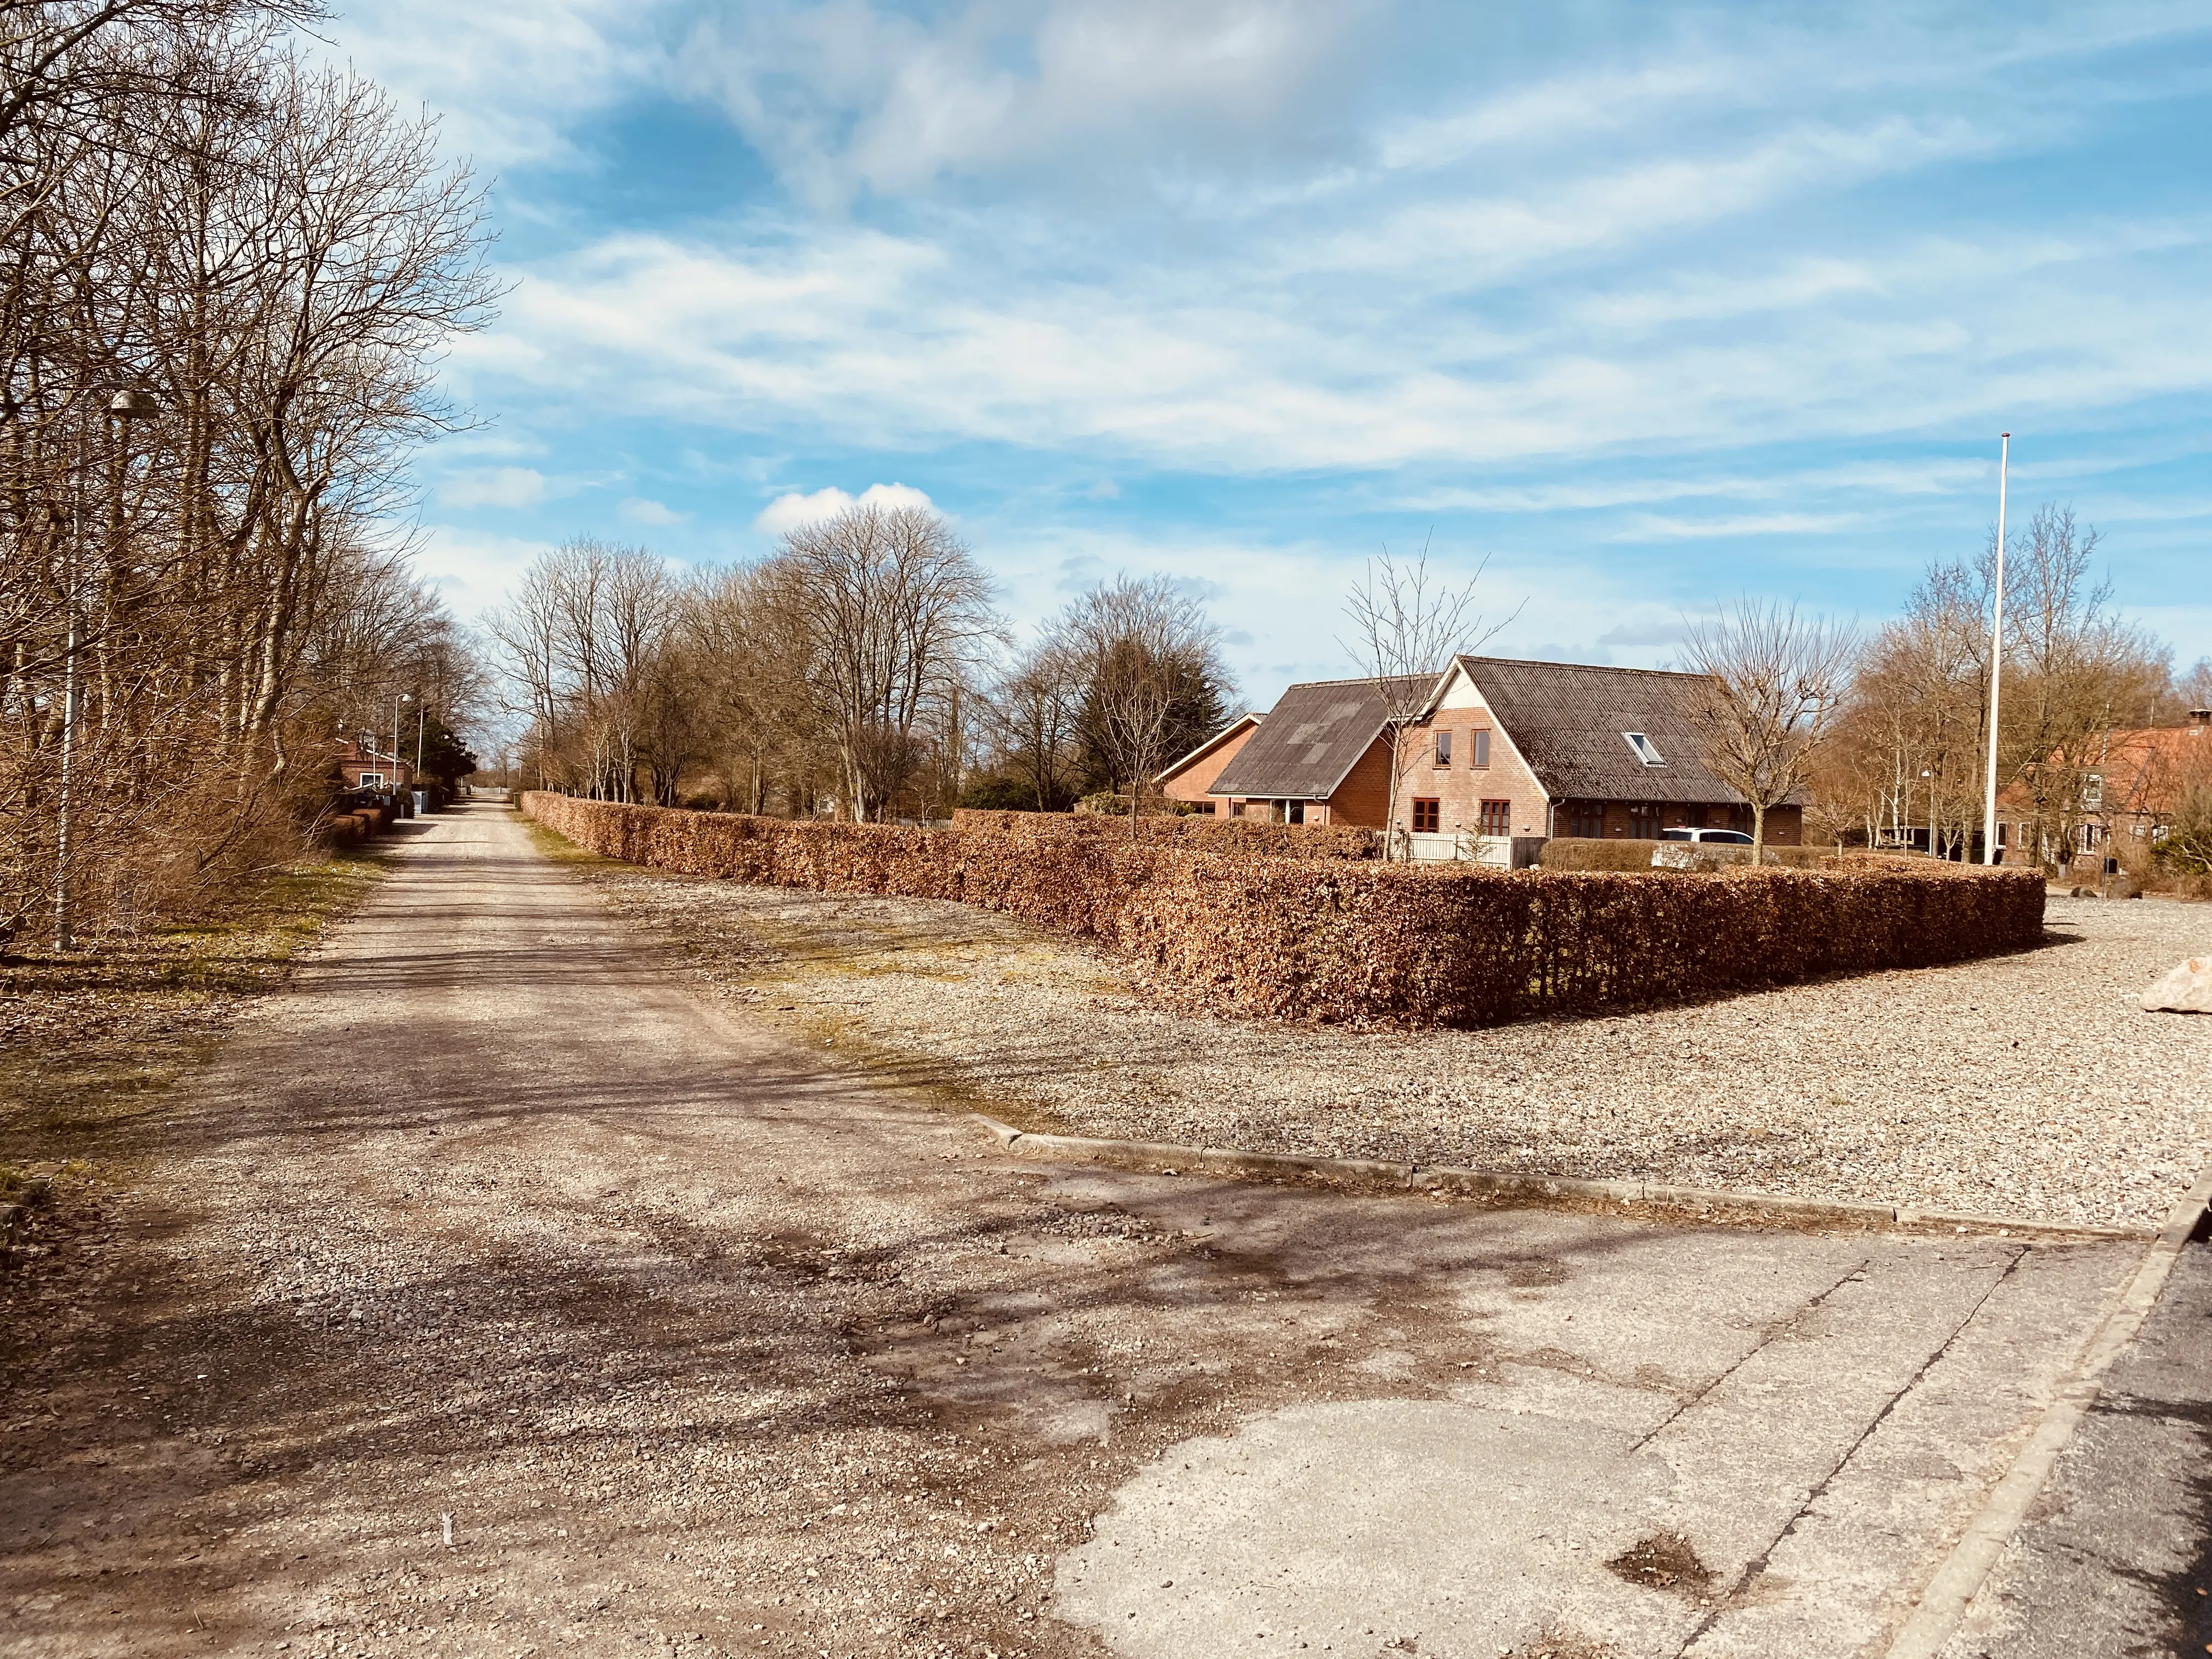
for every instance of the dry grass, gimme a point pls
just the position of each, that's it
(89, 1041)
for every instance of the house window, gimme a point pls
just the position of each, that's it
(372, 780)
(2093, 791)
(1646, 750)
(1482, 749)
(1205, 807)
(1444, 748)
(1498, 817)
(1586, 821)
(1425, 816)
(1643, 823)
(2002, 828)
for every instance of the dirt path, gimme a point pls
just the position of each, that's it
(706, 1346)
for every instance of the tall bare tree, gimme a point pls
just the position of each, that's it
(1774, 682)
(895, 614)
(1146, 662)
(224, 279)
(1407, 624)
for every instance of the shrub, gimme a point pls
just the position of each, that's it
(1197, 832)
(1577, 853)
(1348, 938)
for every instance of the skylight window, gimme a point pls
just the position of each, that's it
(1645, 751)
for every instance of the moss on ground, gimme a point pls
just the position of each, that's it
(91, 1040)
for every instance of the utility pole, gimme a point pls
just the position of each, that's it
(1996, 663)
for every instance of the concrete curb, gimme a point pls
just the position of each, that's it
(1376, 1175)
(1943, 1605)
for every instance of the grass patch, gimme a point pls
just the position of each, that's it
(90, 1040)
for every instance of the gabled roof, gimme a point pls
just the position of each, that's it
(1211, 744)
(2145, 771)
(1568, 720)
(1312, 738)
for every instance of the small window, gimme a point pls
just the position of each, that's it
(2093, 791)
(1646, 750)
(1644, 823)
(1482, 749)
(1498, 817)
(372, 780)
(2002, 828)
(1444, 748)
(1426, 817)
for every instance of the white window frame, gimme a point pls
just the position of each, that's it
(1644, 749)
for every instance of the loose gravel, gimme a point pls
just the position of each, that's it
(2031, 1086)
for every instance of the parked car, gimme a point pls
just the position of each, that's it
(1723, 837)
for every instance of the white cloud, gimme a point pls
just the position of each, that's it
(1651, 526)
(472, 571)
(506, 78)
(501, 486)
(636, 509)
(789, 512)
(845, 96)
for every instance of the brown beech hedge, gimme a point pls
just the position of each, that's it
(1195, 832)
(1339, 938)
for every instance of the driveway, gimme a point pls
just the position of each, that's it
(700, 1341)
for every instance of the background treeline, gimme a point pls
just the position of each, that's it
(861, 670)
(1907, 761)
(225, 277)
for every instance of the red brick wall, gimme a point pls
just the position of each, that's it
(1360, 799)
(1460, 788)
(1195, 780)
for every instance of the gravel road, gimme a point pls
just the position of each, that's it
(499, 1293)
(2031, 1086)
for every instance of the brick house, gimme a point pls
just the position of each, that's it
(2119, 804)
(362, 765)
(1503, 750)
(1188, 779)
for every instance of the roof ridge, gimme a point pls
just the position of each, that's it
(1590, 667)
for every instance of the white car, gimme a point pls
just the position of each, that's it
(1723, 837)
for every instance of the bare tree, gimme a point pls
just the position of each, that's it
(1037, 719)
(2074, 671)
(224, 279)
(1407, 624)
(1774, 683)
(1151, 681)
(894, 613)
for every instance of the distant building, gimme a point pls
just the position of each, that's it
(2127, 795)
(364, 766)
(1502, 749)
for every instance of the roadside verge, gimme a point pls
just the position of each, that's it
(1513, 1186)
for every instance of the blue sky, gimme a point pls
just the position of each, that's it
(1650, 306)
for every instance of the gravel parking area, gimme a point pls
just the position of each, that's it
(2030, 1086)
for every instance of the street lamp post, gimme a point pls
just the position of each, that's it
(1996, 663)
(397, 697)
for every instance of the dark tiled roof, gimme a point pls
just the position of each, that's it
(1567, 719)
(1309, 740)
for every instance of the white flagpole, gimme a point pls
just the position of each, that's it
(1996, 663)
